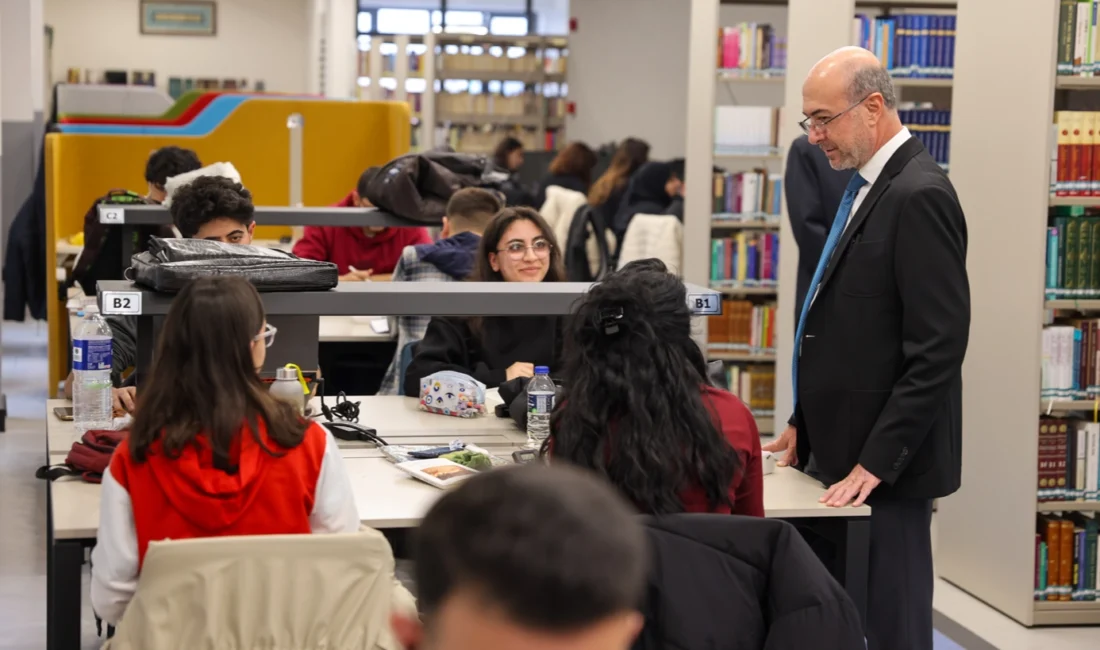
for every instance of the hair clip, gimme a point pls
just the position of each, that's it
(609, 320)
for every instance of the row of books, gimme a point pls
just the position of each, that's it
(1078, 52)
(1069, 453)
(751, 46)
(1065, 558)
(1076, 168)
(909, 45)
(746, 127)
(742, 327)
(1070, 364)
(932, 127)
(1073, 253)
(528, 63)
(754, 385)
(745, 192)
(749, 258)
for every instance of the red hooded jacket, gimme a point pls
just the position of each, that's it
(350, 246)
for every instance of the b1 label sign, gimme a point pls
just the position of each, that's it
(121, 303)
(705, 304)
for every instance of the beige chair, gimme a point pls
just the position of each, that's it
(264, 592)
(654, 235)
(558, 210)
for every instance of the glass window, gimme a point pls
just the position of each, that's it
(364, 43)
(364, 22)
(508, 25)
(404, 21)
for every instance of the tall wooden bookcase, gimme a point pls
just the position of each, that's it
(1001, 150)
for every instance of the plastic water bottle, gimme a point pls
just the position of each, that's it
(540, 403)
(92, 374)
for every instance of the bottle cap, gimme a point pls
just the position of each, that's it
(282, 374)
(542, 370)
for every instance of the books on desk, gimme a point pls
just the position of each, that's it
(909, 45)
(1066, 558)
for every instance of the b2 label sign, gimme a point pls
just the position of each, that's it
(705, 304)
(121, 303)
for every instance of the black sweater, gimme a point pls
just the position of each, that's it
(449, 344)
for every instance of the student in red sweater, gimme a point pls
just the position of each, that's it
(211, 453)
(638, 409)
(359, 253)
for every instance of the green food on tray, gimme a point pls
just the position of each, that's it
(471, 459)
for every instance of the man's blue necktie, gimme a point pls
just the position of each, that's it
(839, 223)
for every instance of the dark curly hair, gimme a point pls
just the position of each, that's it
(167, 162)
(208, 198)
(633, 410)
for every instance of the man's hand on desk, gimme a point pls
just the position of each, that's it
(785, 443)
(857, 485)
(123, 399)
(355, 275)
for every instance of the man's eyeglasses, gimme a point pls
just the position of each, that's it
(516, 250)
(268, 336)
(819, 123)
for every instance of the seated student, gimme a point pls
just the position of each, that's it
(528, 557)
(571, 169)
(359, 253)
(211, 452)
(637, 407)
(508, 157)
(451, 258)
(209, 207)
(608, 190)
(518, 246)
(652, 190)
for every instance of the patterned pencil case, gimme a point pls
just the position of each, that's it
(452, 393)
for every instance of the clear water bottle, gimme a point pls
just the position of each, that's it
(92, 374)
(540, 403)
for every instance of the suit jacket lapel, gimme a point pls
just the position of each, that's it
(897, 162)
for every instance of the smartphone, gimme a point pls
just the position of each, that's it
(64, 413)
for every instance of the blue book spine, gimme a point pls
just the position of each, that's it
(944, 122)
(1082, 566)
(941, 46)
(947, 138)
(1052, 258)
(904, 51)
(933, 46)
(925, 44)
(775, 256)
(951, 45)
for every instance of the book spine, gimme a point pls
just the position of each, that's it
(1044, 562)
(951, 29)
(1066, 29)
(938, 45)
(1062, 120)
(1092, 462)
(1090, 551)
(1079, 564)
(1052, 258)
(1059, 457)
(1038, 564)
(1045, 475)
(1065, 560)
(1081, 451)
(1068, 492)
(1079, 36)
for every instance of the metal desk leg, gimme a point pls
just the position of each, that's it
(64, 559)
(857, 561)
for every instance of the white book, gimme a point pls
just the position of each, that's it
(1092, 462)
(1081, 36)
(1079, 468)
(1066, 360)
(439, 472)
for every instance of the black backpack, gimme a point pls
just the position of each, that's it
(102, 256)
(587, 223)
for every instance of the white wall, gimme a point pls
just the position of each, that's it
(628, 73)
(256, 40)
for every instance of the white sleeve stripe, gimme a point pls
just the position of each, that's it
(115, 558)
(334, 509)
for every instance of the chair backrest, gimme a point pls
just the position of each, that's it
(653, 235)
(408, 351)
(558, 210)
(272, 591)
(587, 251)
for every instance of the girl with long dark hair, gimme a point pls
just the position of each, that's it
(608, 190)
(637, 406)
(517, 246)
(211, 452)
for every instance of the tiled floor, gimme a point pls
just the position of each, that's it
(23, 527)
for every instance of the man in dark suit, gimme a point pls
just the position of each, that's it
(813, 190)
(880, 343)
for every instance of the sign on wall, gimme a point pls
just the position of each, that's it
(180, 18)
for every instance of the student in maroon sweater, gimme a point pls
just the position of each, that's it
(637, 408)
(359, 253)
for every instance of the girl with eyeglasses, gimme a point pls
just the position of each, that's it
(211, 452)
(517, 246)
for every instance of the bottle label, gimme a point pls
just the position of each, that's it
(92, 355)
(543, 404)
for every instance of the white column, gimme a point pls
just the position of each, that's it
(814, 28)
(341, 50)
(21, 101)
(699, 141)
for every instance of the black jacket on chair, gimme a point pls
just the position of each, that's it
(726, 582)
(880, 372)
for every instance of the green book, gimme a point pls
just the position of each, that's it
(1070, 256)
(1084, 254)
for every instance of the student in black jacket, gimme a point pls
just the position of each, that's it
(654, 189)
(609, 189)
(517, 246)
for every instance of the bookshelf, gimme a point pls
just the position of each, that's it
(469, 91)
(1005, 450)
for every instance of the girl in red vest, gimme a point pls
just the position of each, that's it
(211, 453)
